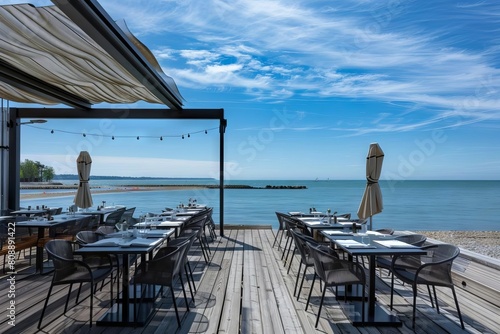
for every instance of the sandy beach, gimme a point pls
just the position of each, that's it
(482, 242)
(71, 192)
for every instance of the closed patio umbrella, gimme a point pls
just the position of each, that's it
(372, 203)
(83, 198)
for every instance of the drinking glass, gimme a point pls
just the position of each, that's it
(365, 239)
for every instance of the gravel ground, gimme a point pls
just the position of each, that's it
(482, 242)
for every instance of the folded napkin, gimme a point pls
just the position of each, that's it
(394, 244)
(119, 242)
(334, 232)
(374, 233)
(316, 222)
(349, 243)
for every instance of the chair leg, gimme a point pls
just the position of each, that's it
(430, 295)
(281, 239)
(320, 306)
(363, 304)
(297, 279)
(301, 283)
(435, 298)
(67, 298)
(205, 255)
(392, 289)
(78, 294)
(288, 252)
(189, 282)
(310, 291)
(290, 264)
(44, 307)
(458, 307)
(414, 288)
(175, 306)
(191, 274)
(184, 292)
(276, 237)
(288, 239)
(92, 291)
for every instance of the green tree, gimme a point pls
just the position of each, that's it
(29, 170)
(48, 173)
(35, 171)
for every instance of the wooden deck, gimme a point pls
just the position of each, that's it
(246, 289)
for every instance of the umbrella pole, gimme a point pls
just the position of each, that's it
(371, 222)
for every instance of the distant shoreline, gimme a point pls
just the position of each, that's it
(99, 190)
(128, 188)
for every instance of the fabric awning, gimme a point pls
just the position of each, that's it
(42, 47)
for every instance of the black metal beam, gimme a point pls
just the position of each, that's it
(108, 113)
(95, 22)
(118, 113)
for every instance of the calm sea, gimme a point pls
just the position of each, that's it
(408, 205)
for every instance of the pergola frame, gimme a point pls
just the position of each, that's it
(14, 139)
(93, 20)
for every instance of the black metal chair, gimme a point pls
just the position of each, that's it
(127, 216)
(68, 270)
(114, 217)
(385, 262)
(432, 269)
(281, 228)
(210, 225)
(190, 237)
(24, 240)
(306, 259)
(163, 270)
(388, 231)
(334, 272)
(197, 223)
(292, 223)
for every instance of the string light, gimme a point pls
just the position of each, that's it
(52, 131)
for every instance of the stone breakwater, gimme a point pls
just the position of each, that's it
(482, 242)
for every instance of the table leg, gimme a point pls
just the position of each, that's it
(376, 315)
(125, 288)
(39, 251)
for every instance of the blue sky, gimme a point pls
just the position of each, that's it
(306, 87)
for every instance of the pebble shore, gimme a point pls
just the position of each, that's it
(482, 242)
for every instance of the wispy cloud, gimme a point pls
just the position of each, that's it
(274, 50)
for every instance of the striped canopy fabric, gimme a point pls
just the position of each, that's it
(48, 47)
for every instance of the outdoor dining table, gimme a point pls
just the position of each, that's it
(379, 245)
(315, 224)
(43, 224)
(165, 222)
(98, 212)
(122, 313)
(30, 212)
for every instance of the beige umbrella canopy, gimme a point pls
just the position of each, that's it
(372, 203)
(83, 198)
